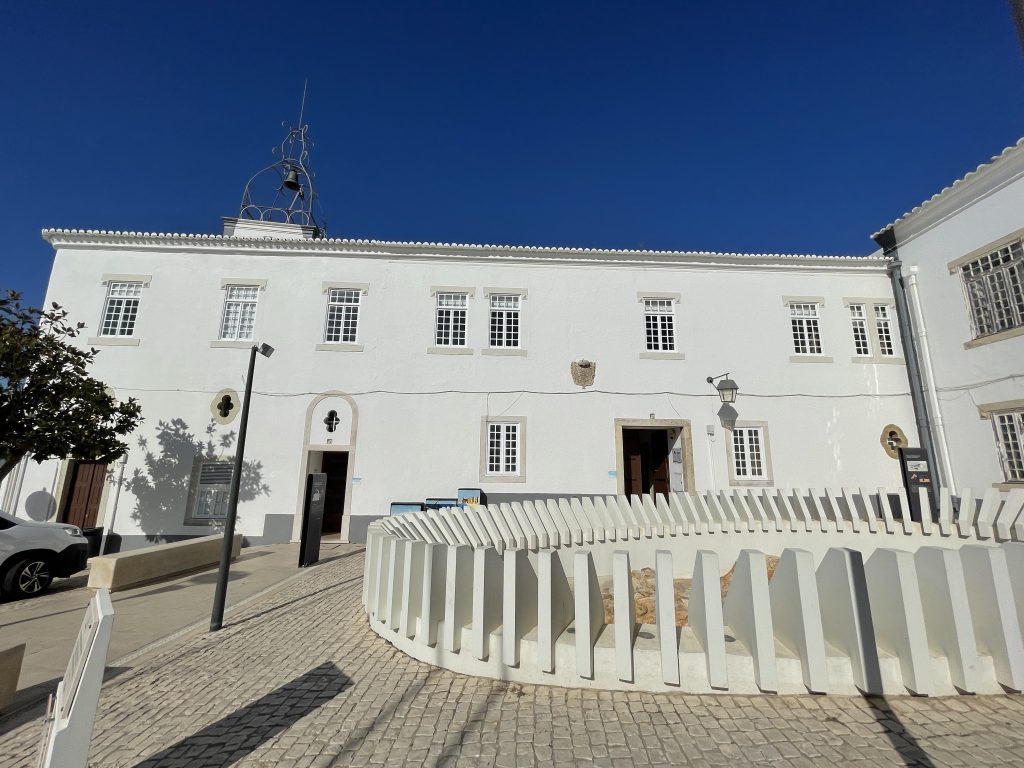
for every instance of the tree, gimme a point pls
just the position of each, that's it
(50, 407)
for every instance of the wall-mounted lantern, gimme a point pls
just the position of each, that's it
(727, 388)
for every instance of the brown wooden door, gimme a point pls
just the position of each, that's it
(83, 499)
(335, 466)
(645, 461)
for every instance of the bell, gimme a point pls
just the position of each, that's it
(291, 181)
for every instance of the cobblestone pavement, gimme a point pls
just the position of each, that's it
(298, 678)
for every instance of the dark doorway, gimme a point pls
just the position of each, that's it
(645, 461)
(82, 500)
(335, 466)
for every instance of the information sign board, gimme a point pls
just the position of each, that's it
(312, 518)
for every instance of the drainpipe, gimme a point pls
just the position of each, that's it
(108, 524)
(887, 239)
(929, 371)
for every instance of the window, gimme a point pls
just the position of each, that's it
(861, 346)
(239, 319)
(342, 316)
(502, 448)
(994, 285)
(504, 320)
(659, 324)
(121, 309)
(748, 460)
(213, 486)
(806, 331)
(883, 331)
(450, 320)
(1009, 427)
(871, 322)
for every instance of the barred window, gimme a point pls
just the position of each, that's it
(1009, 427)
(505, 320)
(212, 490)
(659, 324)
(342, 316)
(502, 448)
(806, 331)
(861, 345)
(883, 331)
(748, 460)
(121, 309)
(239, 320)
(994, 285)
(450, 320)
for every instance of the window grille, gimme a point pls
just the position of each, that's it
(748, 461)
(861, 345)
(342, 316)
(884, 331)
(505, 320)
(659, 323)
(502, 448)
(450, 320)
(211, 500)
(239, 312)
(806, 332)
(994, 285)
(121, 309)
(1009, 428)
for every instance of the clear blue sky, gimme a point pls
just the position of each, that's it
(793, 126)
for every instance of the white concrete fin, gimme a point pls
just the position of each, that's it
(589, 612)
(861, 500)
(624, 618)
(488, 578)
(565, 531)
(522, 533)
(595, 520)
(531, 526)
(898, 616)
(490, 526)
(704, 517)
(587, 523)
(396, 580)
(411, 527)
(432, 592)
(622, 526)
(719, 521)
(821, 513)
(754, 501)
(369, 561)
(540, 525)
(518, 603)
(750, 509)
(967, 513)
(431, 524)
(925, 503)
(438, 521)
(947, 614)
(787, 510)
(651, 511)
(610, 521)
(796, 498)
(1015, 567)
(576, 526)
(729, 521)
(994, 612)
(846, 615)
(887, 516)
(379, 601)
(458, 595)
(665, 617)
(501, 526)
(550, 525)
(705, 616)
(669, 517)
(425, 534)
(456, 534)
(634, 526)
(945, 512)
(987, 513)
(412, 598)
(796, 615)
(685, 518)
(835, 499)
(735, 511)
(555, 608)
(473, 524)
(908, 523)
(1010, 519)
(766, 499)
(747, 611)
(399, 527)
(640, 513)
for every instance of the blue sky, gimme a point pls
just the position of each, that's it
(788, 127)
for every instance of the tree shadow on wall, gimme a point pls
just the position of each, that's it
(161, 489)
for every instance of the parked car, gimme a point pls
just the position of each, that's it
(32, 553)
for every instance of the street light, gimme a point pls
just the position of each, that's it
(727, 388)
(217, 617)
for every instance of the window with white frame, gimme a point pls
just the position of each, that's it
(450, 319)
(748, 453)
(504, 326)
(502, 448)
(342, 316)
(804, 320)
(659, 325)
(213, 486)
(883, 331)
(861, 345)
(121, 309)
(871, 323)
(1009, 427)
(239, 320)
(994, 284)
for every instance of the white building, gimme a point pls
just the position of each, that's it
(963, 272)
(409, 370)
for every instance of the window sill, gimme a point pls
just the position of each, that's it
(879, 360)
(504, 351)
(993, 338)
(339, 347)
(662, 356)
(204, 522)
(503, 478)
(762, 483)
(449, 350)
(1013, 485)
(231, 344)
(809, 359)
(113, 341)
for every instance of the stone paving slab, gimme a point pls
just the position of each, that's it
(298, 679)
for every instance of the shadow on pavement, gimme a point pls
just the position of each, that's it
(30, 703)
(289, 603)
(241, 732)
(900, 738)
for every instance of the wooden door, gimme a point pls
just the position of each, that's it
(659, 461)
(82, 505)
(632, 462)
(645, 461)
(335, 466)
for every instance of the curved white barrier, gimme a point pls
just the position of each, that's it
(861, 598)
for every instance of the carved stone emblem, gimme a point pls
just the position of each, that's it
(583, 372)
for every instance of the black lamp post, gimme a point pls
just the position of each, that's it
(727, 388)
(217, 617)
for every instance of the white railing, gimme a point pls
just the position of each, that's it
(861, 598)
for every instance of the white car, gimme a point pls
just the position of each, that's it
(31, 554)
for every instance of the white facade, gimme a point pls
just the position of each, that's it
(972, 359)
(413, 416)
